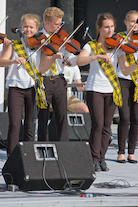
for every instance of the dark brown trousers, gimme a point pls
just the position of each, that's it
(56, 95)
(102, 108)
(17, 98)
(128, 113)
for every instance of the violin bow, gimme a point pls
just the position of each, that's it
(71, 34)
(43, 43)
(4, 19)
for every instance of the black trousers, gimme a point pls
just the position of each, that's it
(102, 108)
(128, 113)
(17, 98)
(56, 95)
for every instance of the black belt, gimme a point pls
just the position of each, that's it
(53, 77)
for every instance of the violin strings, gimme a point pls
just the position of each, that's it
(71, 34)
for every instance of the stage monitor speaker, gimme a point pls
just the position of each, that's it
(50, 165)
(79, 127)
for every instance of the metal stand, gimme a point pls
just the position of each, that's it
(90, 36)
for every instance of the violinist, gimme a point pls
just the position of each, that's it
(54, 81)
(103, 91)
(128, 122)
(21, 91)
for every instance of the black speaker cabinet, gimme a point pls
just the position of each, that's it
(50, 165)
(79, 127)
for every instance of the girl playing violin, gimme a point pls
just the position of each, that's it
(129, 111)
(20, 84)
(103, 91)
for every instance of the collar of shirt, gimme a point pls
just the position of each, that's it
(44, 32)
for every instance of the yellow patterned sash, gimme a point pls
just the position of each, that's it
(19, 48)
(134, 75)
(53, 68)
(109, 72)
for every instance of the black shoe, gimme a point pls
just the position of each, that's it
(132, 161)
(97, 166)
(121, 161)
(104, 166)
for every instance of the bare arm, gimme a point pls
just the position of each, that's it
(126, 70)
(6, 58)
(47, 61)
(82, 88)
(85, 58)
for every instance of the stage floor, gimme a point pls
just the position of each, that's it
(117, 187)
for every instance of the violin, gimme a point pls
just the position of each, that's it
(135, 35)
(114, 42)
(59, 38)
(71, 45)
(49, 49)
(36, 40)
(2, 36)
(45, 41)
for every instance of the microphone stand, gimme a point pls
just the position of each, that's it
(89, 36)
(37, 83)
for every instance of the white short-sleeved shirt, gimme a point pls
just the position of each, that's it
(71, 74)
(97, 80)
(20, 77)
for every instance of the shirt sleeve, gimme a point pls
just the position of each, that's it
(87, 47)
(77, 74)
(120, 52)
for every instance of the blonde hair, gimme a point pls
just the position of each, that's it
(52, 13)
(100, 19)
(129, 13)
(35, 17)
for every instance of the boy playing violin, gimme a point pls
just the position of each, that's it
(54, 81)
